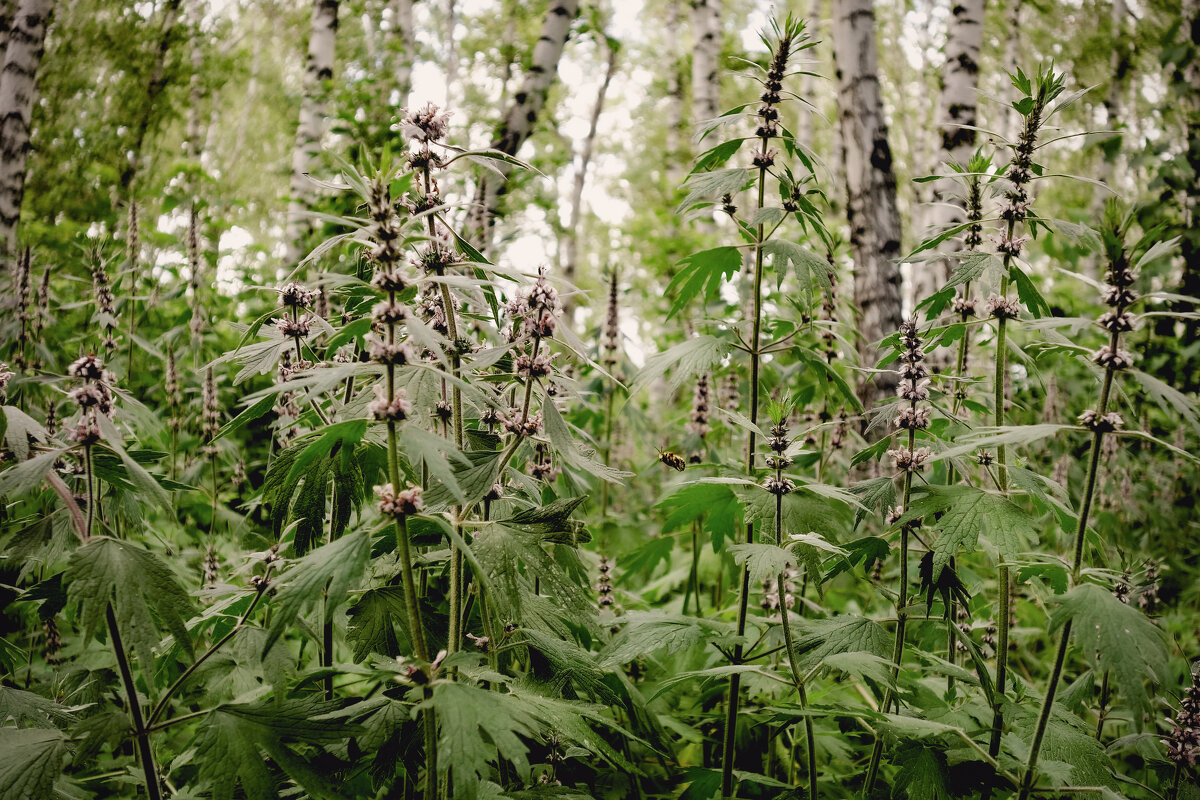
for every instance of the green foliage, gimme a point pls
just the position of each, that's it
(143, 593)
(1118, 638)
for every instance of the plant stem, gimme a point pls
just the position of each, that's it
(161, 706)
(91, 500)
(141, 735)
(735, 680)
(1103, 707)
(1005, 603)
(1076, 567)
(901, 624)
(801, 691)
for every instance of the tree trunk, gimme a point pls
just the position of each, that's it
(18, 86)
(527, 103)
(402, 25)
(956, 107)
(870, 186)
(7, 8)
(677, 150)
(317, 73)
(706, 57)
(585, 158)
(1189, 244)
(154, 87)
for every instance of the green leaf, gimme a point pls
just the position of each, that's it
(338, 565)
(232, 739)
(248, 415)
(142, 590)
(965, 513)
(703, 187)
(714, 503)
(32, 759)
(1028, 293)
(511, 558)
(823, 638)
(716, 156)
(704, 270)
(25, 476)
(812, 271)
(648, 632)
(1117, 638)
(1174, 403)
(923, 774)
(425, 447)
(573, 452)
(474, 726)
(552, 521)
(692, 357)
(374, 620)
(19, 428)
(971, 266)
(27, 709)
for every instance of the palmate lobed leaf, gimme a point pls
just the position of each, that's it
(334, 568)
(1118, 638)
(966, 512)
(705, 270)
(143, 592)
(30, 761)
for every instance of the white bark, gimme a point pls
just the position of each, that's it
(585, 158)
(527, 103)
(957, 107)
(317, 74)
(7, 7)
(706, 57)
(406, 47)
(675, 136)
(18, 87)
(870, 183)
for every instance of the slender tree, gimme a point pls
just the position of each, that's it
(706, 56)
(18, 85)
(155, 84)
(405, 37)
(870, 184)
(581, 170)
(520, 117)
(957, 118)
(318, 72)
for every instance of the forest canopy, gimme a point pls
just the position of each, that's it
(599, 399)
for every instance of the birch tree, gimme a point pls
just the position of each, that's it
(518, 121)
(581, 170)
(870, 183)
(318, 72)
(706, 56)
(18, 87)
(405, 44)
(957, 116)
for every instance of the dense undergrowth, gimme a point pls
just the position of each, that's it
(394, 530)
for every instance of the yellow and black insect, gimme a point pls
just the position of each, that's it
(672, 460)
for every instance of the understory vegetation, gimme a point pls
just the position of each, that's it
(408, 519)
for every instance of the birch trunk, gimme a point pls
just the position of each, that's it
(676, 137)
(317, 73)
(585, 159)
(1189, 246)
(706, 57)
(7, 7)
(527, 103)
(957, 107)
(870, 185)
(18, 87)
(154, 88)
(402, 23)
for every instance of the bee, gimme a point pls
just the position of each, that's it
(672, 460)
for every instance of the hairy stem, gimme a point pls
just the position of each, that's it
(735, 680)
(140, 734)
